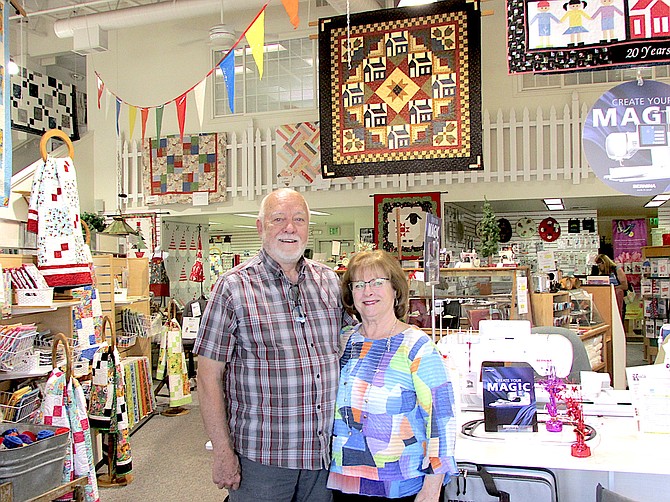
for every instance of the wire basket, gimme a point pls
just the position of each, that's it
(15, 346)
(124, 341)
(138, 324)
(43, 345)
(23, 409)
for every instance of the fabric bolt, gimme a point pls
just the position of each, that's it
(282, 372)
(64, 405)
(107, 407)
(394, 416)
(63, 258)
(172, 364)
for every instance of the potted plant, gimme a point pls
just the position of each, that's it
(140, 245)
(489, 232)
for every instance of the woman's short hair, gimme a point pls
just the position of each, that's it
(386, 264)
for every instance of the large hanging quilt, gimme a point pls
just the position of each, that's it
(399, 90)
(569, 35)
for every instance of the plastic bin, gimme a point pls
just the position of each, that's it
(34, 469)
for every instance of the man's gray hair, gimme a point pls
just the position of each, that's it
(261, 211)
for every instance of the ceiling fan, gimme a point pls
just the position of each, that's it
(222, 35)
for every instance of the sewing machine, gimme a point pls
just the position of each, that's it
(621, 146)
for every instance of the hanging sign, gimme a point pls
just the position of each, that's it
(625, 138)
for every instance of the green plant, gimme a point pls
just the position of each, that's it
(94, 221)
(489, 231)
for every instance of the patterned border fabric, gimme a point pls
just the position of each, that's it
(571, 35)
(174, 169)
(412, 226)
(400, 91)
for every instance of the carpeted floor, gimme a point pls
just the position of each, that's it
(170, 462)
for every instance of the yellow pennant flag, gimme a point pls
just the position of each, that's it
(256, 39)
(132, 115)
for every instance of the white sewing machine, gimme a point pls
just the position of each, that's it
(621, 146)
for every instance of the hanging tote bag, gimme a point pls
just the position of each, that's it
(172, 362)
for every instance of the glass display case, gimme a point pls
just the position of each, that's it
(583, 312)
(466, 295)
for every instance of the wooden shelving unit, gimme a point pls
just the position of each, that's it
(546, 310)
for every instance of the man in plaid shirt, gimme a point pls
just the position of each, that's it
(268, 364)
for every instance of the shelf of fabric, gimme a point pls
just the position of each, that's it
(140, 398)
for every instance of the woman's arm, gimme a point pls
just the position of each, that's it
(623, 281)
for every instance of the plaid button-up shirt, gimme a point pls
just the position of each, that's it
(282, 373)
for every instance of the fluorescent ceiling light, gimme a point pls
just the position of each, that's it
(553, 201)
(246, 215)
(655, 203)
(662, 196)
(555, 207)
(318, 213)
(245, 226)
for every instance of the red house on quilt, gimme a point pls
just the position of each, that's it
(649, 19)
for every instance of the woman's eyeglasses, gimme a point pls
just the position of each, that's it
(296, 309)
(373, 283)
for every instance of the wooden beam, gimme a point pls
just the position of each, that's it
(18, 7)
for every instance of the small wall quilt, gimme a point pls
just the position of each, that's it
(411, 209)
(174, 169)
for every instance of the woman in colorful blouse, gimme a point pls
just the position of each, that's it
(395, 426)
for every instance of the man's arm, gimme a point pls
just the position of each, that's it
(225, 464)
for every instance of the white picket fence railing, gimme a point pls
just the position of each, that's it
(529, 148)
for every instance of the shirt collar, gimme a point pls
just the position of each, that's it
(275, 269)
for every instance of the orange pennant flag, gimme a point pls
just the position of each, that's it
(291, 8)
(256, 39)
(145, 116)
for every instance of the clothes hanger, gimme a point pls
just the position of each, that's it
(55, 133)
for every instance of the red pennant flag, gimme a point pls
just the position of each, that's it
(291, 7)
(145, 116)
(181, 113)
(101, 87)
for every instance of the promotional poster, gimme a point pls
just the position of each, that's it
(625, 138)
(509, 397)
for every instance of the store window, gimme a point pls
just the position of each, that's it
(288, 83)
(530, 82)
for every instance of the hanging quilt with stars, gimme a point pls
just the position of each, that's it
(399, 91)
(176, 168)
(403, 215)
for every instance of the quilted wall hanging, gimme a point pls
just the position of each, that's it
(298, 153)
(410, 209)
(40, 102)
(569, 35)
(399, 90)
(175, 169)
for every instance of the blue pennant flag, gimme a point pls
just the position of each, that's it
(228, 69)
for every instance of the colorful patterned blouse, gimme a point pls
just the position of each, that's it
(394, 418)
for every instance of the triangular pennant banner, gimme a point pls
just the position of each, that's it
(256, 39)
(181, 113)
(145, 116)
(108, 102)
(291, 7)
(199, 95)
(118, 112)
(228, 70)
(132, 115)
(159, 120)
(101, 87)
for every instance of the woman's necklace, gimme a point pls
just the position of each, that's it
(366, 395)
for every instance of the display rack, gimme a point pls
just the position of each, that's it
(551, 309)
(655, 295)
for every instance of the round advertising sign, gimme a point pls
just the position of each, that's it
(625, 138)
